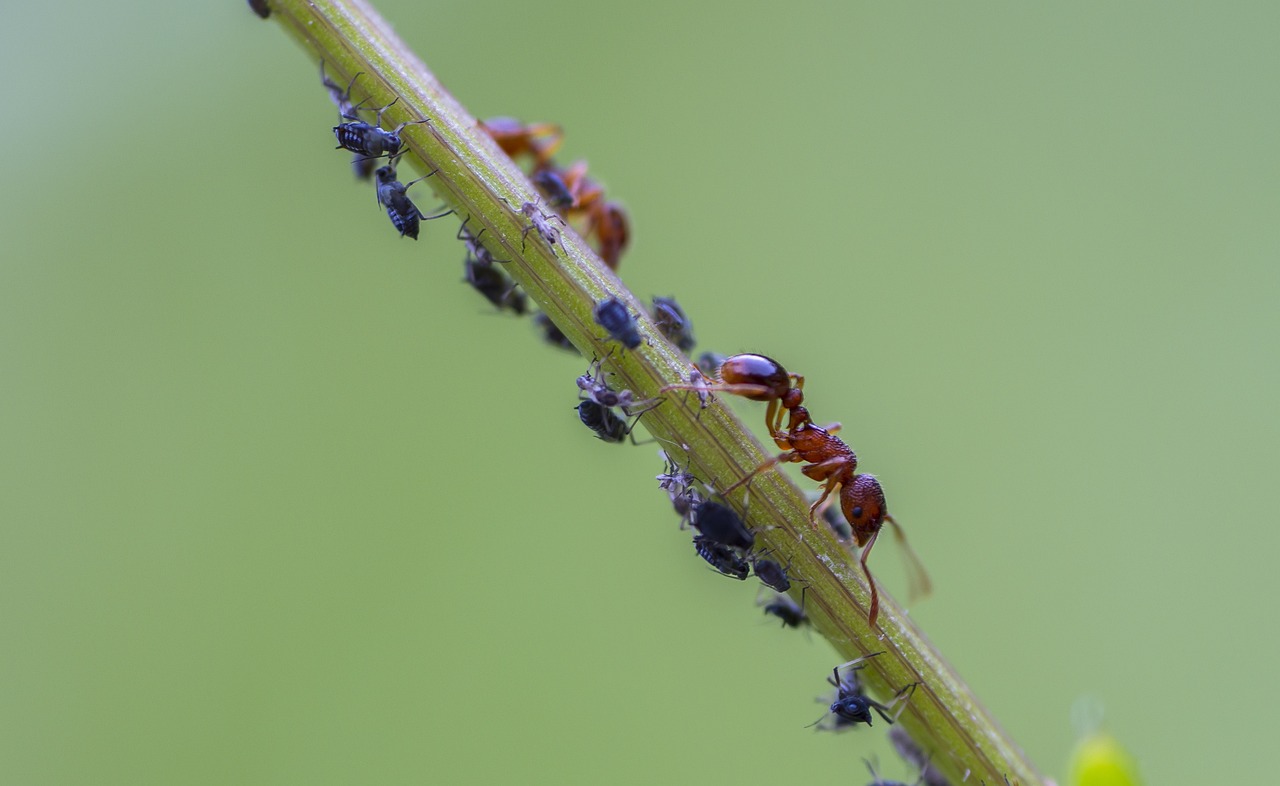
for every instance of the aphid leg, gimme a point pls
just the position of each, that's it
(854, 665)
(897, 704)
(378, 121)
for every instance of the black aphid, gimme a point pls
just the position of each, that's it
(373, 140)
(670, 320)
(721, 524)
(852, 705)
(260, 8)
(602, 420)
(787, 610)
(400, 209)
(592, 385)
(724, 559)
(552, 334)
(495, 286)
(772, 575)
(913, 755)
(553, 188)
(613, 316)
(680, 489)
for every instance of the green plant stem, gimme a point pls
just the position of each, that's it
(484, 186)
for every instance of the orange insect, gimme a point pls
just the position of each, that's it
(827, 458)
(539, 140)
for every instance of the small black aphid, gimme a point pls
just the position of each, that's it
(475, 248)
(613, 316)
(913, 755)
(680, 489)
(371, 140)
(552, 334)
(592, 385)
(400, 209)
(602, 420)
(260, 8)
(772, 575)
(787, 610)
(720, 524)
(553, 188)
(852, 706)
(670, 320)
(542, 222)
(722, 558)
(495, 286)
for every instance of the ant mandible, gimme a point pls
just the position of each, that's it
(829, 460)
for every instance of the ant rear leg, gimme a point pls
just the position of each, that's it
(874, 611)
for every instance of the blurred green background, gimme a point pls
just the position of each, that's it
(284, 502)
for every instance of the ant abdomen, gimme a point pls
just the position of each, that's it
(757, 370)
(863, 505)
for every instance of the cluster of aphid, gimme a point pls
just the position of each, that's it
(722, 538)
(578, 200)
(369, 143)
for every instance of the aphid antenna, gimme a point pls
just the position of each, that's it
(424, 177)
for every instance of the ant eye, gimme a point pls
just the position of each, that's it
(857, 512)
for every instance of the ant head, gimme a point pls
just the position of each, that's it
(862, 502)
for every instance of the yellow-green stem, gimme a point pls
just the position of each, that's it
(484, 186)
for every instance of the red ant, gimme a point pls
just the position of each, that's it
(578, 195)
(829, 460)
(539, 140)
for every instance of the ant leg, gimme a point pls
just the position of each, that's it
(918, 583)
(773, 416)
(819, 508)
(874, 611)
(737, 390)
(781, 458)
